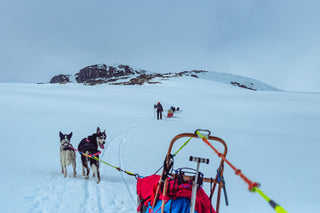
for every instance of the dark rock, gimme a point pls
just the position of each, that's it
(242, 86)
(60, 79)
(101, 72)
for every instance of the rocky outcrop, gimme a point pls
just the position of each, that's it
(102, 73)
(243, 86)
(60, 79)
(119, 75)
(156, 78)
(126, 75)
(139, 80)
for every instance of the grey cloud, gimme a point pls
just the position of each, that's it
(273, 41)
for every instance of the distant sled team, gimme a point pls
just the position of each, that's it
(159, 110)
(87, 147)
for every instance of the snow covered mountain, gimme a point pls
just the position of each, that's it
(236, 80)
(272, 137)
(126, 75)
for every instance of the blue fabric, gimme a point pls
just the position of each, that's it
(179, 205)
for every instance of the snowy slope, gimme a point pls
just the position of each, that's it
(272, 137)
(227, 78)
(151, 77)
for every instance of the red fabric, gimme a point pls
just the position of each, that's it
(146, 189)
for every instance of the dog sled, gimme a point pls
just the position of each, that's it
(181, 191)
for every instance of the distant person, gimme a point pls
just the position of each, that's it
(159, 110)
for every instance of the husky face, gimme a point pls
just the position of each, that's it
(101, 138)
(65, 138)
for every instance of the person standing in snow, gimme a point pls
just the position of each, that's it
(159, 110)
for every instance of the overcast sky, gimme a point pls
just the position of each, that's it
(275, 41)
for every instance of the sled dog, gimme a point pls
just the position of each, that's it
(90, 146)
(67, 154)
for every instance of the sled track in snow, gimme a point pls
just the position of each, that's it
(123, 137)
(92, 198)
(58, 185)
(40, 197)
(99, 199)
(122, 175)
(86, 196)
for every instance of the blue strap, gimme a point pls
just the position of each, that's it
(224, 186)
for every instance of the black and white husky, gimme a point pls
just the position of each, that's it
(90, 146)
(67, 154)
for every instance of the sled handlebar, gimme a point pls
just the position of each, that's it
(199, 160)
(195, 135)
(188, 177)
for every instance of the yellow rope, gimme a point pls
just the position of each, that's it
(120, 170)
(182, 146)
(274, 205)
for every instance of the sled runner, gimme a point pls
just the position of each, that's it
(181, 191)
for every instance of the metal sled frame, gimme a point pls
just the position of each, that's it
(216, 181)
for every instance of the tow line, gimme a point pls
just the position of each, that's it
(253, 186)
(94, 156)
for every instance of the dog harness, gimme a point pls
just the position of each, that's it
(87, 146)
(67, 146)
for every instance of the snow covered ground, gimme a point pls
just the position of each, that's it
(272, 136)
